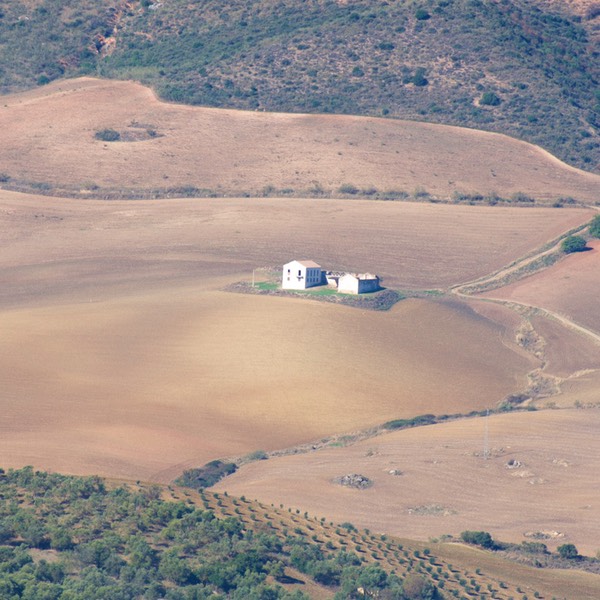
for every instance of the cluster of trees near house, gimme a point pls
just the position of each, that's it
(75, 538)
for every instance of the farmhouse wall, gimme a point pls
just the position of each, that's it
(301, 274)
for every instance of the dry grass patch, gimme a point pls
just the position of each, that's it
(49, 137)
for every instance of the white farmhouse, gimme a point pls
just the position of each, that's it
(358, 283)
(301, 274)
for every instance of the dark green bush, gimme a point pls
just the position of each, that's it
(207, 475)
(568, 551)
(419, 78)
(478, 538)
(490, 99)
(594, 226)
(573, 243)
(108, 135)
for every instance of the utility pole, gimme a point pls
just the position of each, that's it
(486, 437)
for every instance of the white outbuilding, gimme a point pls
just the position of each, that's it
(358, 283)
(301, 274)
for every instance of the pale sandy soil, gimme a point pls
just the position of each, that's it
(446, 486)
(48, 136)
(569, 288)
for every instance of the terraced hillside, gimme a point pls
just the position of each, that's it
(528, 69)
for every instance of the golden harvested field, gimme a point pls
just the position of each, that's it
(569, 288)
(119, 355)
(446, 486)
(48, 137)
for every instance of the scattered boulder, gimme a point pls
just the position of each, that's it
(354, 480)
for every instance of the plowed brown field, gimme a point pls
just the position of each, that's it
(48, 137)
(569, 288)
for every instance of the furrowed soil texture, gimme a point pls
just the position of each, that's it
(539, 481)
(120, 355)
(146, 385)
(49, 141)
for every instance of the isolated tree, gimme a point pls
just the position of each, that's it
(573, 243)
(479, 538)
(490, 99)
(568, 551)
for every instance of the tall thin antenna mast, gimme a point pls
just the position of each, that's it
(486, 437)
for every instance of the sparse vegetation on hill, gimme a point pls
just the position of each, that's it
(80, 538)
(508, 66)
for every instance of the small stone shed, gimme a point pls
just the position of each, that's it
(358, 283)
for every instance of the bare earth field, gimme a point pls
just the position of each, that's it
(48, 137)
(119, 355)
(144, 386)
(446, 486)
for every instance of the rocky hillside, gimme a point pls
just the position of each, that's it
(528, 69)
